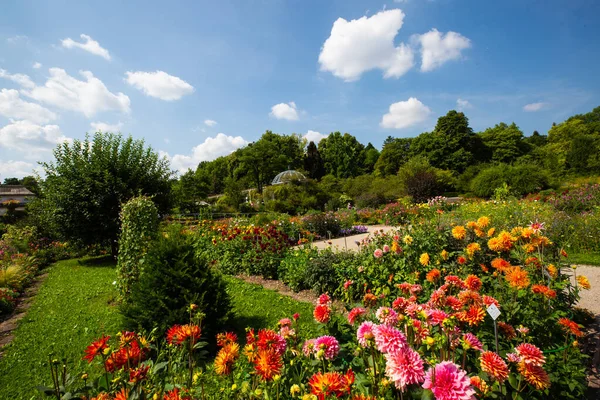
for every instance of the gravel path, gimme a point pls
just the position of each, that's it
(350, 242)
(590, 299)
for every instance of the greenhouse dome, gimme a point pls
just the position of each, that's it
(288, 176)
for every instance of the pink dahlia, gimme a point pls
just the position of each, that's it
(329, 345)
(285, 322)
(530, 354)
(324, 299)
(365, 333)
(436, 316)
(448, 382)
(378, 253)
(356, 314)
(470, 341)
(400, 304)
(309, 347)
(388, 339)
(287, 332)
(404, 367)
(513, 358)
(386, 248)
(387, 316)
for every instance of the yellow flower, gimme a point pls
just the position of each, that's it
(483, 222)
(444, 254)
(552, 270)
(459, 232)
(491, 232)
(233, 387)
(424, 259)
(472, 248)
(584, 282)
(407, 239)
(295, 390)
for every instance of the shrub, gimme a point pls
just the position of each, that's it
(139, 225)
(522, 179)
(321, 271)
(173, 278)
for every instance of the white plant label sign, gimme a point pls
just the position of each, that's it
(493, 311)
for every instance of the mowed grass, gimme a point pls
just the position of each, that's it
(76, 304)
(584, 258)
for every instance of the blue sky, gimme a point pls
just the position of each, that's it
(164, 70)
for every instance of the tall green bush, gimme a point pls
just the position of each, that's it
(174, 277)
(522, 179)
(139, 226)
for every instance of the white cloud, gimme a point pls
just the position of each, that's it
(405, 113)
(36, 65)
(105, 127)
(314, 136)
(287, 111)
(211, 148)
(367, 43)
(30, 138)
(210, 122)
(437, 48)
(21, 79)
(462, 104)
(533, 107)
(87, 97)
(159, 84)
(89, 45)
(17, 169)
(13, 107)
(16, 39)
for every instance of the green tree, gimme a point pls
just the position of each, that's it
(89, 180)
(268, 156)
(313, 163)
(451, 145)
(188, 191)
(505, 142)
(343, 155)
(11, 181)
(395, 152)
(371, 155)
(536, 140)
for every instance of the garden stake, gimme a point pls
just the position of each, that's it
(496, 334)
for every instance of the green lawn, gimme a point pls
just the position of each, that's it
(76, 305)
(584, 258)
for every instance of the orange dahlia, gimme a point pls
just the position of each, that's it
(473, 283)
(96, 348)
(544, 290)
(552, 270)
(322, 313)
(492, 364)
(500, 264)
(459, 232)
(480, 384)
(178, 334)
(534, 375)
(570, 327)
(503, 242)
(226, 358)
(584, 282)
(267, 364)
(175, 394)
(369, 300)
(517, 278)
(324, 385)
(223, 339)
(473, 316)
(530, 354)
(433, 275)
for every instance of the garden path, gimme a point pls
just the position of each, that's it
(350, 242)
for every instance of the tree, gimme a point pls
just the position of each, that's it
(536, 139)
(370, 157)
(188, 191)
(313, 163)
(395, 152)
(12, 181)
(342, 154)
(505, 142)
(89, 180)
(451, 145)
(268, 156)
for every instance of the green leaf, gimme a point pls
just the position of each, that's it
(427, 395)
